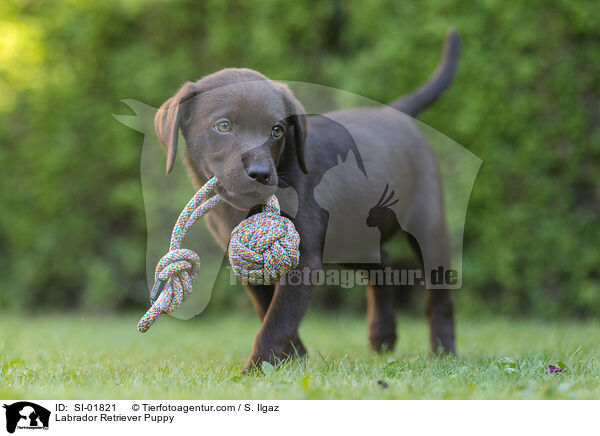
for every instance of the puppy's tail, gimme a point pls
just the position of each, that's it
(416, 102)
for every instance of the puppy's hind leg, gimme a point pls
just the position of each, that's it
(439, 306)
(380, 317)
(261, 296)
(380, 310)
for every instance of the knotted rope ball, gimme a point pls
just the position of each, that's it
(262, 249)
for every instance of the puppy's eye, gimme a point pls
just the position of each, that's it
(277, 131)
(223, 126)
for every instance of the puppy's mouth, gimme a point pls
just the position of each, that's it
(247, 199)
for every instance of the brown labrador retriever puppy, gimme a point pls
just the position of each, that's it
(253, 135)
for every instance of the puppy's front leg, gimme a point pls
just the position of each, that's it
(277, 337)
(261, 296)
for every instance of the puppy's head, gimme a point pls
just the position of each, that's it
(237, 125)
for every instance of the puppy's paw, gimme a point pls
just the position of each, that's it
(255, 361)
(275, 354)
(442, 342)
(382, 337)
(296, 348)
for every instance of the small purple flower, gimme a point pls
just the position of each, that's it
(554, 369)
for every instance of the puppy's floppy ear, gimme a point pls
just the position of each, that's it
(168, 118)
(297, 120)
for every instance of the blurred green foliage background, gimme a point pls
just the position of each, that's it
(525, 100)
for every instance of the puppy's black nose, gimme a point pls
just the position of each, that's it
(259, 172)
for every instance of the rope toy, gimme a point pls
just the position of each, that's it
(261, 250)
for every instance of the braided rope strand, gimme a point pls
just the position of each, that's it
(177, 269)
(262, 248)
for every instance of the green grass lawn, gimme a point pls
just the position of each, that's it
(74, 356)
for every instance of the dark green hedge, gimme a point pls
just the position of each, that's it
(72, 224)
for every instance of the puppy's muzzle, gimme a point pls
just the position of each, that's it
(259, 167)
